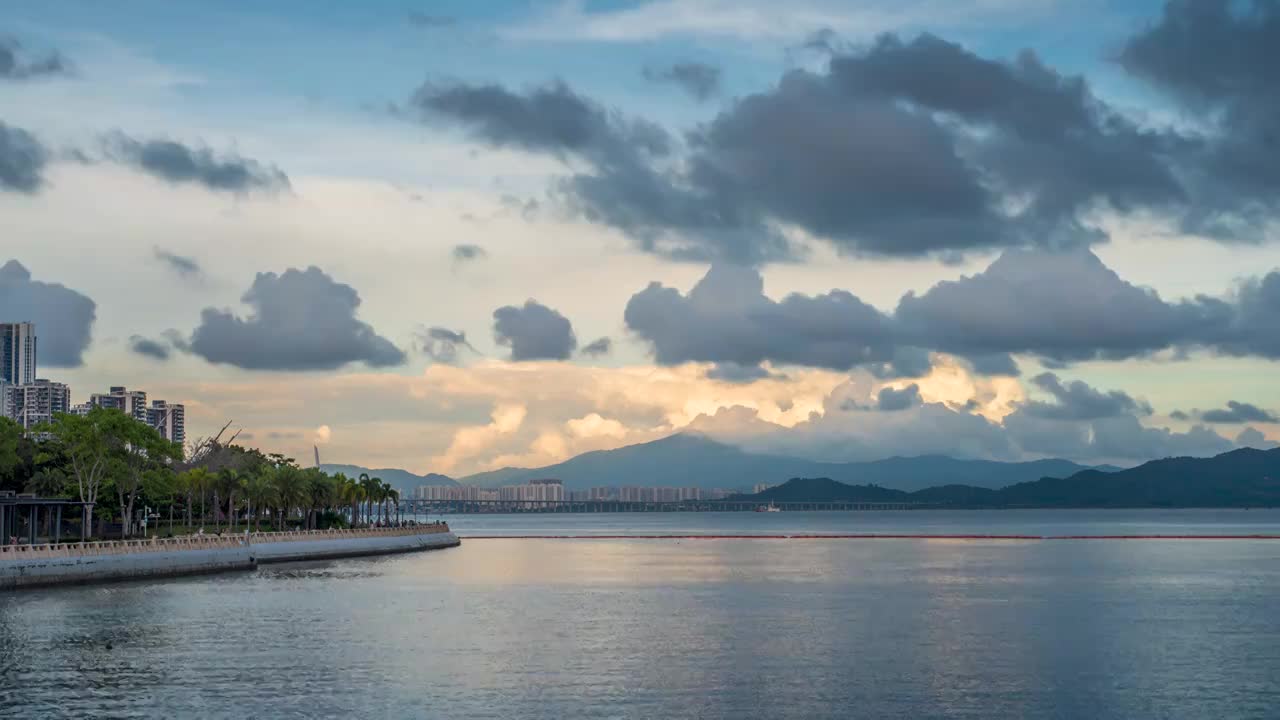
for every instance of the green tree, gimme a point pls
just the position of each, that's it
(259, 491)
(290, 489)
(88, 442)
(139, 452)
(10, 439)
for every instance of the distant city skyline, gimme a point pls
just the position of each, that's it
(524, 231)
(31, 400)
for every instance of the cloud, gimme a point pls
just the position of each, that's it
(726, 318)
(1059, 306)
(1239, 412)
(1065, 306)
(1078, 401)
(322, 435)
(534, 332)
(552, 119)
(1213, 58)
(598, 347)
(63, 317)
(302, 320)
(1251, 437)
(185, 267)
(904, 148)
(700, 80)
(1254, 324)
(890, 399)
(468, 252)
(22, 160)
(1087, 424)
(424, 20)
(147, 347)
(1179, 415)
(733, 372)
(442, 344)
(13, 66)
(176, 163)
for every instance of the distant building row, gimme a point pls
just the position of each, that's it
(544, 490)
(29, 400)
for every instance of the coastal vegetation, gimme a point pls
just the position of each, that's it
(131, 475)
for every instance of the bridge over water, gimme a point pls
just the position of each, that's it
(454, 507)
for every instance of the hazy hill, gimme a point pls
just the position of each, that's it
(402, 480)
(1240, 478)
(689, 460)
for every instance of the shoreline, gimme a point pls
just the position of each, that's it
(29, 566)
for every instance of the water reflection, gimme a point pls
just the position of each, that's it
(664, 628)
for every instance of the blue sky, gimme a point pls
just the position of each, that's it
(380, 188)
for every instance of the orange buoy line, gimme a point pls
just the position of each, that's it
(870, 536)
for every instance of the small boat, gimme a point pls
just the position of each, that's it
(768, 508)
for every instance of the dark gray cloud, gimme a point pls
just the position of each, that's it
(1238, 412)
(726, 318)
(598, 347)
(14, 65)
(534, 332)
(907, 362)
(442, 344)
(890, 400)
(552, 119)
(22, 160)
(147, 347)
(1254, 325)
(901, 149)
(468, 252)
(184, 266)
(994, 364)
(1046, 137)
(426, 20)
(1216, 60)
(301, 320)
(1059, 306)
(1064, 306)
(1091, 424)
(700, 80)
(63, 317)
(177, 163)
(1076, 400)
(1179, 415)
(734, 373)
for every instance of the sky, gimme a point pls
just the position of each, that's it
(455, 236)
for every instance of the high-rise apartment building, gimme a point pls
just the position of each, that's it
(131, 402)
(170, 419)
(33, 403)
(17, 353)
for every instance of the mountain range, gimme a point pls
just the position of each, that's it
(401, 480)
(1240, 478)
(692, 460)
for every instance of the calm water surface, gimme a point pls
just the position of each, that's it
(638, 628)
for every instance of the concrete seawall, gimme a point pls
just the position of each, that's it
(76, 563)
(322, 545)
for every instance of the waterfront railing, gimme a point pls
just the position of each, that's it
(202, 542)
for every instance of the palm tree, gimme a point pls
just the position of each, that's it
(386, 502)
(322, 489)
(259, 490)
(372, 491)
(228, 481)
(290, 489)
(394, 496)
(199, 480)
